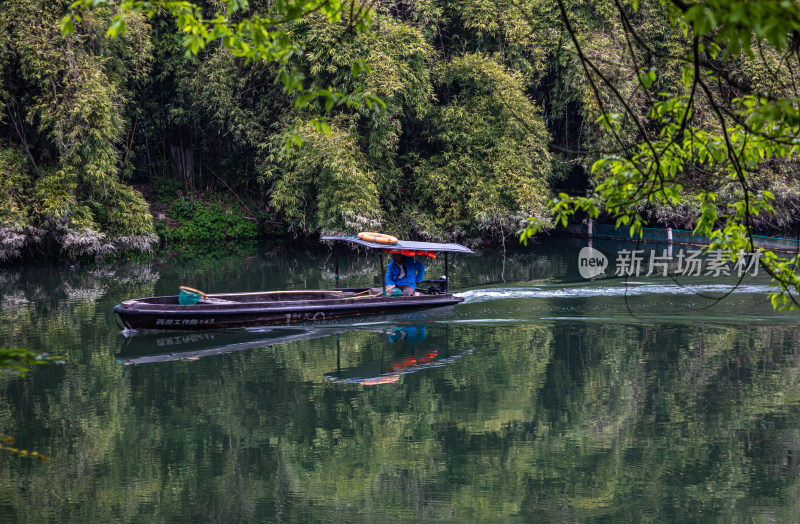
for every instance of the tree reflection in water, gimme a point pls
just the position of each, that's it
(598, 416)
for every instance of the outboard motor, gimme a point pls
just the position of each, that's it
(439, 288)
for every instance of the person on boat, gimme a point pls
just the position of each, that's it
(404, 273)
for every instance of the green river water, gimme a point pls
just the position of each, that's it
(542, 397)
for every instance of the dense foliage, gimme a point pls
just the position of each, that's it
(436, 119)
(700, 124)
(206, 223)
(456, 147)
(66, 101)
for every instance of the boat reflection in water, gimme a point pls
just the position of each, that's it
(404, 348)
(146, 348)
(403, 352)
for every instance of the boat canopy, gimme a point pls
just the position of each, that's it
(404, 245)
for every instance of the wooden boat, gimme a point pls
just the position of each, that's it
(231, 310)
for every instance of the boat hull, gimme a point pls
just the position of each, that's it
(266, 309)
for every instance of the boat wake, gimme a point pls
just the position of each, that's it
(640, 288)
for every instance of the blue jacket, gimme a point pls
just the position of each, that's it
(415, 272)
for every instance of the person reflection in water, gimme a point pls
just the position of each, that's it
(405, 338)
(403, 275)
(409, 353)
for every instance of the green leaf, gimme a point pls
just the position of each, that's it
(67, 25)
(646, 78)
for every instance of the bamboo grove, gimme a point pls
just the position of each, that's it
(431, 118)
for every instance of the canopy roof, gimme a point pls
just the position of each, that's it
(405, 244)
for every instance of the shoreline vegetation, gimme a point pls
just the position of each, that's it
(128, 124)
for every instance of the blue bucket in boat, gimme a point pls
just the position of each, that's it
(189, 296)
